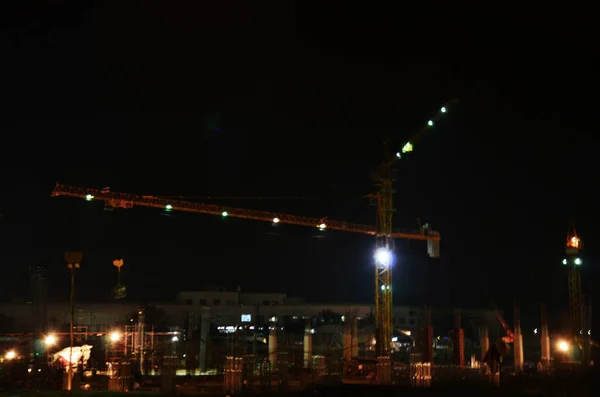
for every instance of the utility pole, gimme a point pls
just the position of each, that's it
(73, 260)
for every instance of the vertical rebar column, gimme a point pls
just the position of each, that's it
(204, 334)
(142, 339)
(518, 342)
(484, 343)
(347, 340)
(545, 339)
(273, 345)
(73, 259)
(307, 345)
(427, 337)
(458, 341)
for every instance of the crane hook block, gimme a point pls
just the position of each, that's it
(433, 248)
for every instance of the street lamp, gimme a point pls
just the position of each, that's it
(11, 355)
(115, 336)
(73, 260)
(50, 340)
(563, 346)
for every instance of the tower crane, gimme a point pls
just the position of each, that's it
(384, 181)
(383, 230)
(572, 260)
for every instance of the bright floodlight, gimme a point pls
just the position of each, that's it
(174, 339)
(383, 257)
(115, 336)
(563, 346)
(89, 197)
(443, 109)
(275, 220)
(11, 355)
(50, 340)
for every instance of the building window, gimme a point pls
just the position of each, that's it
(411, 321)
(216, 302)
(266, 303)
(202, 302)
(188, 302)
(412, 313)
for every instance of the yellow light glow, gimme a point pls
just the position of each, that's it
(563, 346)
(115, 336)
(50, 340)
(11, 355)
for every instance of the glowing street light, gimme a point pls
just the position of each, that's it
(563, 346)
(383, 257)
(115, 336)
(50, 340)
(11, 355)
(175, 339)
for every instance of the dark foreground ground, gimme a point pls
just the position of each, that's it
(568, 384)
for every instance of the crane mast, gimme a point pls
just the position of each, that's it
(574, 262)
(383, 268)
(384, 181)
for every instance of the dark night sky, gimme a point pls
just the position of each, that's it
(289, 98)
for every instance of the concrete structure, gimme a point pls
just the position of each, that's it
(221, 297)
(230, 308)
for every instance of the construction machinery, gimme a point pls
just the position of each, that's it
(580, 309)
(573, 262)
(383, 230)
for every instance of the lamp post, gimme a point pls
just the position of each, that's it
(73, 259)
(49, 341)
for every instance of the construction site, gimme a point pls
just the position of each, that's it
(240, 348)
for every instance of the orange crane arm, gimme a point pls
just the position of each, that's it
(125, 200)
(510, 336)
